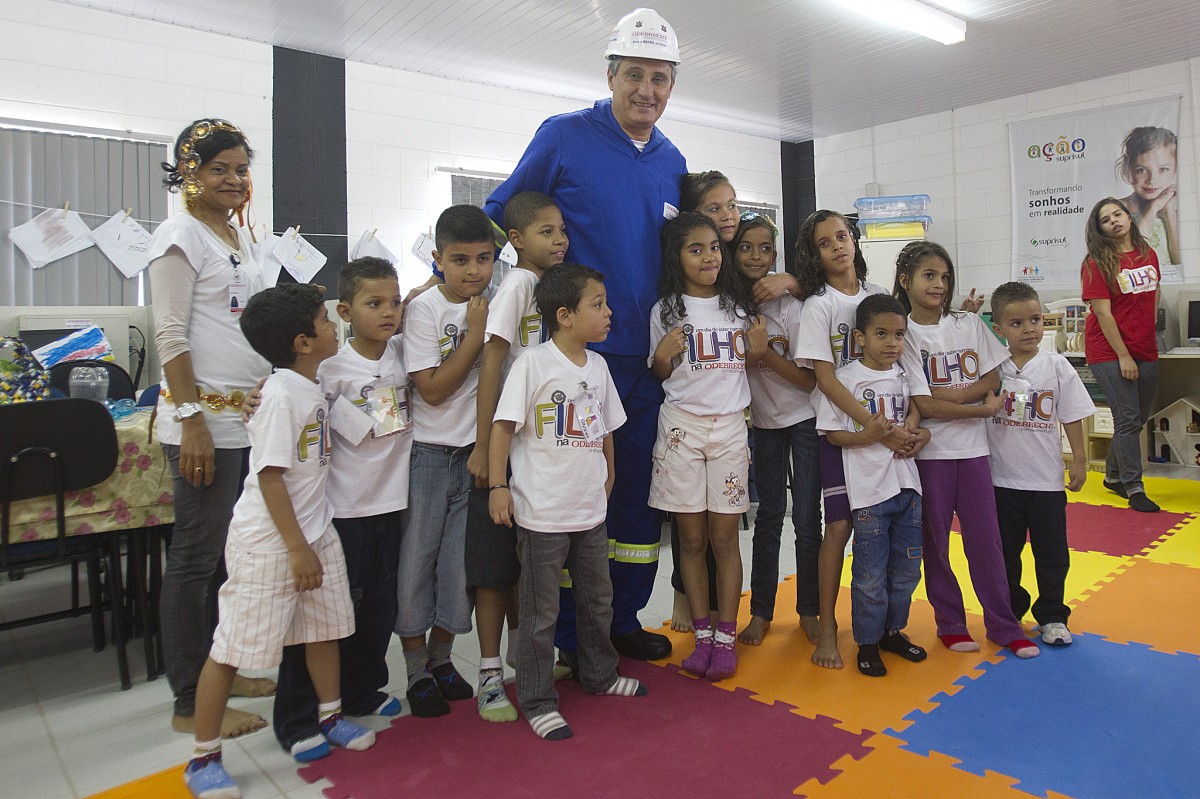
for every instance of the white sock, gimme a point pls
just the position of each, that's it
(202, 748)
(486, 664)
(327, 709)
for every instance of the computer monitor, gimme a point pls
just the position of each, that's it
(1189, 318)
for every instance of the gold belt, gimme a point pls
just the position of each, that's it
(214, 402)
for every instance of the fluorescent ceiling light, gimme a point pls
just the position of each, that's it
(911, 15)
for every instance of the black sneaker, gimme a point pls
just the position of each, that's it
(1142, 503)
(425, 700)
(1117, 487)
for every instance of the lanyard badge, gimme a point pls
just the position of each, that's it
(239, 286)
(589, 413)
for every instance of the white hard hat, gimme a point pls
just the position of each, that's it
(643, 33)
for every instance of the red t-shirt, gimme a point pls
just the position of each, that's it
(1133, 307)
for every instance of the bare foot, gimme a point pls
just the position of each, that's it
(809, 625)
(681, 616)
(754, 631)
(251, 686)
(234, 723)
(826, 654)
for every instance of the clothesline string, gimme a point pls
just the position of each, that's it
(159, 221)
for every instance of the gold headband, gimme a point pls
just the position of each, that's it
(190, 162)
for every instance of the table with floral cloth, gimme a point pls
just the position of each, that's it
(137, 494)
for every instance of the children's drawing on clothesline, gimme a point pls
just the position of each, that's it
(52, 234)
(299, 257)
(124, 242)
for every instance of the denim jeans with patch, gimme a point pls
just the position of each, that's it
(886, 566)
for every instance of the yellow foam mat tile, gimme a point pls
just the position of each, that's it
(1177, 496)
(781, 668)
(1087, 569)
(1181, 546)
(163, 785)
(889, 771)
(1151, 603)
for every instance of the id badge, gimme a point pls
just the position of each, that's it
(589, 415)
(1019, 390)
(239, 291)
(388, 408)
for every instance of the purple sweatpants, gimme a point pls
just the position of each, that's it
(964, 486)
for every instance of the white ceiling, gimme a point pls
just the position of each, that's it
(785, 69)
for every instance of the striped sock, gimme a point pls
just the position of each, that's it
(550, 726)
(626, 686)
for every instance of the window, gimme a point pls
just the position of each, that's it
(98, 175)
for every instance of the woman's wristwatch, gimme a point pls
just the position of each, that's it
(187, 410)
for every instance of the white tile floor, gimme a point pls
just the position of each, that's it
(67, 731)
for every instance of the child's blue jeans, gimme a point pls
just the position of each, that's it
(886, 566)
(432, 579)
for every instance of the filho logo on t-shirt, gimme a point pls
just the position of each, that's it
(314, 434)
(715, 348)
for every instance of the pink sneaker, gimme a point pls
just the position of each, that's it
(724, 656)
(697, 662)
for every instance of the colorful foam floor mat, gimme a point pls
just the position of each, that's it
(1113, 715)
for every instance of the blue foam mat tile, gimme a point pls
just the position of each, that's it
(1096, 719)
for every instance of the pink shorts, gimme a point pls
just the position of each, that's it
(700, 463)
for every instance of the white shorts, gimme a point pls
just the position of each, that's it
(700, 463)
(261, 611)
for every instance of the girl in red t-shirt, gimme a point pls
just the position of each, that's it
(1120, 282)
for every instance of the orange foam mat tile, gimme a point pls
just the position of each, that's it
(163, 785)
(781, 668)
(1150, 603)
(1087, 569)
(890, 772)
(1181, 546)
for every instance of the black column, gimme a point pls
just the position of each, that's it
(309, 154)
(799, 174)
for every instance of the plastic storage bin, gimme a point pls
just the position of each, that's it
(912, 227)
(906, 205)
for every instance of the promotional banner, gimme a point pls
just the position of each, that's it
(1063, 165)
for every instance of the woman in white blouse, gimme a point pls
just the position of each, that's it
(202, 272)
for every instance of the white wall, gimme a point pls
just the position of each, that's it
(960, 159)
(76, 66)
(81, 67)
(402, 125)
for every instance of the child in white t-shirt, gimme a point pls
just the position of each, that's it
(287, 577)
(555, 416)
(702, 334)
(1042, 391)
(367, 390)
(785, 432)
(537, 232)
(884, 491)
(443, 336)
(955, 356)
(832, 276)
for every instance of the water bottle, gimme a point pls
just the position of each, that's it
(89, 382)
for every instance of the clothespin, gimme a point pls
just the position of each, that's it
(128, 211)
(66, 205)
(296, 233)
(372, 236)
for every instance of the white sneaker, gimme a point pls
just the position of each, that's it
(1056, 634)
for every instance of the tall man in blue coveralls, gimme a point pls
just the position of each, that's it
(616, 179)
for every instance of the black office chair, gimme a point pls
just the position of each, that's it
(48, 448)
(120, 384)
